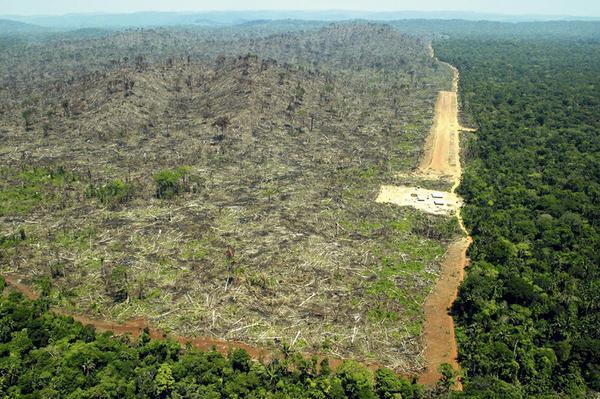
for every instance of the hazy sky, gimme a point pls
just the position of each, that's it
(563, 7)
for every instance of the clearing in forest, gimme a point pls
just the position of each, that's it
(430, 201)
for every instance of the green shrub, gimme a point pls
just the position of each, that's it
(168, 183)
(357, 380)
(112, 193)
(23, 190)
(389, 386)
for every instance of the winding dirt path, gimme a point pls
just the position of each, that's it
(135, 327)
(442, 158)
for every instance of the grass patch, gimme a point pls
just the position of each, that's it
(23, 190)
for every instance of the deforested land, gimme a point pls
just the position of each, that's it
(222, 184)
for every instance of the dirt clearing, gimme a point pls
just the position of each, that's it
(430, 201)
(442, 148)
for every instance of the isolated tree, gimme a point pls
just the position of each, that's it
(66, 106)
(139, 62)
(118, 284)
(27, 115)
(299, 92)
(128, 84)
(230, 260)
(222, 122)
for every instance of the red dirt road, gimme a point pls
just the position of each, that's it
(442, 158)
(438, 335)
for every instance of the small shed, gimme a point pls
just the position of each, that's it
(439, 202)
(437, 194)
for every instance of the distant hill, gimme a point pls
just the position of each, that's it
(8, 26)
(229, 18)
(436, 28)
(139, 19)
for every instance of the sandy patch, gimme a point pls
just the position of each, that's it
(430, 201)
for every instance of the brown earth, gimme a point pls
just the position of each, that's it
(421, 199)
(442, 158)
(442, 147)
(438, 334)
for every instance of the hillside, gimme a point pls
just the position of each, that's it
(10, 27)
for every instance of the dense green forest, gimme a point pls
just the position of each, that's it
(528, 311)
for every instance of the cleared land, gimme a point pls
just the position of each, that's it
(269, 235)
(442, 147)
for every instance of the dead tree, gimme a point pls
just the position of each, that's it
(222, 122)
(230, 258)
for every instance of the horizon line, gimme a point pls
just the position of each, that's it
(313, 10)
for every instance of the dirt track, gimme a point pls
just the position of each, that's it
(443, 159)
(442, 147)
(440, 161)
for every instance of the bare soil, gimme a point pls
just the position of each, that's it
(421, 199)
(442, 147)
(438, 335)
